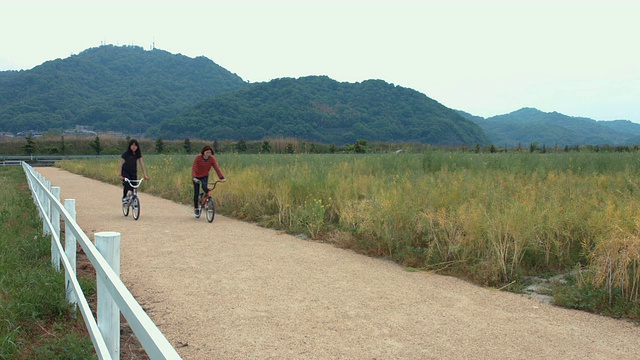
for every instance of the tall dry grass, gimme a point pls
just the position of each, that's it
(489, 217)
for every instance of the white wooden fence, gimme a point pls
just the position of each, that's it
(113, 296)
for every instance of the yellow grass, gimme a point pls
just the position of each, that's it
(492, 217)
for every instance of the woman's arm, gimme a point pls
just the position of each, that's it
(216, 167)
(120, 172)
(144, 170)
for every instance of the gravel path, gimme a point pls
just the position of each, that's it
(233, 290)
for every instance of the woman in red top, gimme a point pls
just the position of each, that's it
(200, 173)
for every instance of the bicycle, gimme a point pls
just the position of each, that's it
(206, 201)
(131, 200)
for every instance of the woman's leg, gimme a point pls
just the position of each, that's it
(125, 188)
(205, 182)
(196, 190)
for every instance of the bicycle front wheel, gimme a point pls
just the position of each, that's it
(210, 208)
(135, 208)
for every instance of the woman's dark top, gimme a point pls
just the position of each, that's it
(129, 167)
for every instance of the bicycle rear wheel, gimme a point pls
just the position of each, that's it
(135, 208)
(125, 208)
(210, 208)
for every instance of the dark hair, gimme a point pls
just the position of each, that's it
(205, 148)
(138, 153)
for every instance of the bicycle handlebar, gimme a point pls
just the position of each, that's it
(214, 183)
(213, 186)
(134, 183)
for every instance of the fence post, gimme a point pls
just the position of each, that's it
(70, 251)
(55, 222)
(47, 208)
(108, 244)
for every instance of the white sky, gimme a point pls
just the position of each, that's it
(579, 58)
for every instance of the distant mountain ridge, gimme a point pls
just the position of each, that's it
(158, 94)
(317, 108)
(529, 125)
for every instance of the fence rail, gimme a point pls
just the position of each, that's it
(113, 296)
(10, 163)
(40, 160)
(44, 160)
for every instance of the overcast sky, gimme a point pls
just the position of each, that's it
(579, 58)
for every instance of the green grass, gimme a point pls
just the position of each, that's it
(36, 321)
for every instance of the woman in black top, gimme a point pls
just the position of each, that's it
(129, 166)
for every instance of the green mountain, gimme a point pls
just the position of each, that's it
(625, 127)
(159, 94)
(110, 88)
(528, 125)
(317, 108)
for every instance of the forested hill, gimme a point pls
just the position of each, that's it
(154, 93)
(317, 108)
(121, 88)
(528, 125)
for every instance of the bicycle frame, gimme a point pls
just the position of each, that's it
(203, 195)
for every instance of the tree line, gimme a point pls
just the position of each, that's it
(52, 145)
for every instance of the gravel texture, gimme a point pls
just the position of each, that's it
(233, 290)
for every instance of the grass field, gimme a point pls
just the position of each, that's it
(36, 321)
(491, 218)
